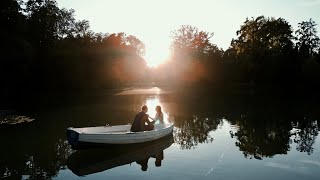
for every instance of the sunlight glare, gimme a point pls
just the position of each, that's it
(156, 55)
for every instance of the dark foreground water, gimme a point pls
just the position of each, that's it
(215, 137)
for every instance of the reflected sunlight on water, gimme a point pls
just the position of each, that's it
(137, 91)
(152, 100)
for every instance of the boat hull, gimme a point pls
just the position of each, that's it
(115, 134)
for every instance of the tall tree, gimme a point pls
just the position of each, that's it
(82, 29)
(114, 40)
(262, 43)
(190, 41)
(261, 36)
(11, 18)
(43, 17)
(125, 42)
(192, 53)
(308, 42)
(66, 23)
(135, 45)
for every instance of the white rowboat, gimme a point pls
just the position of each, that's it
(120, 134)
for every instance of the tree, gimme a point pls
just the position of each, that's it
(191, 55)
(308, 42)
(14, 55)
(230, 55)
(82, 29)
(66, 23)
(43, 17)
(263, 44)
(135, 45)
(11, 18)
(190, 41)
(122, 41)
(114, 40)
(261, 36)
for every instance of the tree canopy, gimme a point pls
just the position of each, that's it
(260, 37)
(190, 41)
(307, 40)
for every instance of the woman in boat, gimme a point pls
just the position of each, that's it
(159, 115)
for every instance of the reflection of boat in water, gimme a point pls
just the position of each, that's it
(119, 134)
(93, 160)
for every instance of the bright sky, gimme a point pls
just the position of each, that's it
(152, 20)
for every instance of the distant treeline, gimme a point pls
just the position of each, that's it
(264, 53)
(44, 48)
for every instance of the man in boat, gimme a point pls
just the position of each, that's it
(141, 121)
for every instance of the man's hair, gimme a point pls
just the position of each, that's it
(144, 107)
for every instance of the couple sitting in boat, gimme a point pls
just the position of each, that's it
(141, 121)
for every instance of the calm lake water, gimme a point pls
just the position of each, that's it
(220, 136)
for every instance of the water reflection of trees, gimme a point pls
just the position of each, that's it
(35, 151)
(194, 129)
(258, 139)
(36, 164)
(305, 133)
(270, 126)
(38, 167)
(266, 125)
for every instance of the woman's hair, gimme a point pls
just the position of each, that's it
(158, 108)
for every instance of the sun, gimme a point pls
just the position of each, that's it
(156, 55)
